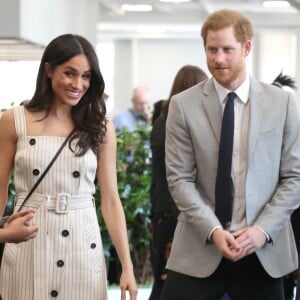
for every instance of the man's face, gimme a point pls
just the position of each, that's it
(141, 102)
(226, 57)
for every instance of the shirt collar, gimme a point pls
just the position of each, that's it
(242, 91)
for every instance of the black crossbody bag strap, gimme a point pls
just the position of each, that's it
(46, 170)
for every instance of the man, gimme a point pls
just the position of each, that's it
(247, 255)
(138, 114)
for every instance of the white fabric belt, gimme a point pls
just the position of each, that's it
(61, 203)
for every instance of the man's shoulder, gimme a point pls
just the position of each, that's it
(266, 87)
(194, 94)
(196, 90)
(123, 113)
(124, 119)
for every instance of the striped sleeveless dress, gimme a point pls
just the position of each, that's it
(65, 261)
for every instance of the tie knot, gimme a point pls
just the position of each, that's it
(231, 96)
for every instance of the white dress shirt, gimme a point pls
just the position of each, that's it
(240, 149)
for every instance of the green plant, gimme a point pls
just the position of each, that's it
(134, 181)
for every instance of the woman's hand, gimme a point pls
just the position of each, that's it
(17, 228)
(127, 283)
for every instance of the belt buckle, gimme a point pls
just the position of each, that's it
(62, 203)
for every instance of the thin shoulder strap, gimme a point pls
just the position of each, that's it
(47, 169)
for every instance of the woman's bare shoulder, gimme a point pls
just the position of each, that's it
(7, 116)
(7, 123)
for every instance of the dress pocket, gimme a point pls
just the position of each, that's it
(10, 254)
(94, 248)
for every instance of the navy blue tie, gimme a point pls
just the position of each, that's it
(224, 184)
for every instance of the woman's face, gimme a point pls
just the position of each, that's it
(70, 80)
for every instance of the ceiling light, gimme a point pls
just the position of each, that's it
(276, 4)
(151, 29)
(137, 7)
(175, 1)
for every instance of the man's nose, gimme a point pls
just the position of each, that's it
(219, 56)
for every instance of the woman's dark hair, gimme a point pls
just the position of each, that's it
(89, 114)
(157, 110)
(284, 80)
(185, 78)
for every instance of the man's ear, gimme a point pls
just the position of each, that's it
(248, 46)
(48, 69)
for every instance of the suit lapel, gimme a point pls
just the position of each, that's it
(255, 98)
(212, 108)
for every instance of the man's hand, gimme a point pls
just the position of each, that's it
(226, 244)
(250, 239)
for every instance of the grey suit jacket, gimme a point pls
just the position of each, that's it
(272, 183)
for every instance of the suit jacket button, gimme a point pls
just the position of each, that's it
(93, 245)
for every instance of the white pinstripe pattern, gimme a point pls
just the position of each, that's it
(30, 270)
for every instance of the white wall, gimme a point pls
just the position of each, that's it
(123, 74)
(17, 80)
(159, 60)
(153, 63)
(278, 51)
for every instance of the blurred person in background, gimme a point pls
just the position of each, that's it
(164, 211)
(137, 114)
(157, 106)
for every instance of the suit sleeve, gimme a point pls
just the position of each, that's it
(286, 197)
(181, 168)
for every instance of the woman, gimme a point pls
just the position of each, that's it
(163, 208)
(66, 258)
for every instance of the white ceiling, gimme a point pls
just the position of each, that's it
(184, 20)
(166, 20)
